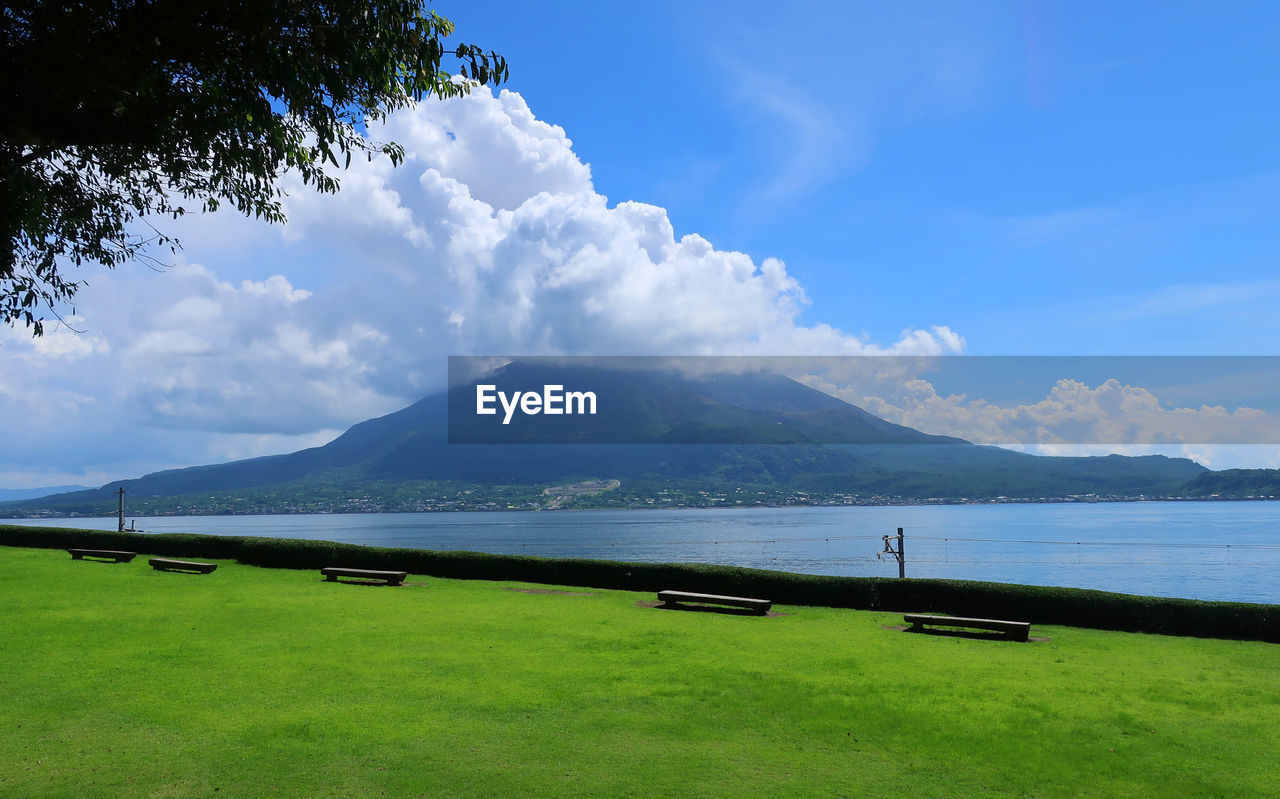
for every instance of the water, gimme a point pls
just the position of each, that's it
(1197, 550)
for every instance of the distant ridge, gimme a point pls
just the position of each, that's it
(401, 460)
(14, 494)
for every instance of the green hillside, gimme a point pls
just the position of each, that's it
(1236, 482)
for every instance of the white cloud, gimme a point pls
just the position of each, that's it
(811, 142)
(522, 255)
(837, 79)
(1197, 300)
(489, 239)
(494, 146)
(1071, 414)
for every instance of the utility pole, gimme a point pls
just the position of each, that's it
(896, 553)
(120, 527)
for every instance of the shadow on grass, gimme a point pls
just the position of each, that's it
(977, 635)
(708, 609)
(547, 591)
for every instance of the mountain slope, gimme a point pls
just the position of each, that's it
(751, 429)
(14, 494)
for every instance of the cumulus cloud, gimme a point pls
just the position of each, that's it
(1072, 413)
(516, 252)
(489, 239)
(188, 350)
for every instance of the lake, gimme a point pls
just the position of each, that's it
(1197, 550)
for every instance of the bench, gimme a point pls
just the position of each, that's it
(166, 565)
(760, 606)
(332, 573)
(1017, 630)
(105, 554)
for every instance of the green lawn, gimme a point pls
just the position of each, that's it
(116, 680)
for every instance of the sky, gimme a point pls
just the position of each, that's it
(1019, 178)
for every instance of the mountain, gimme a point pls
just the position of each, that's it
(778, 437)
(1236, 483)
(13, 494)
(654, 406)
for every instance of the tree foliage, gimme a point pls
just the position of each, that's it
(113, 112)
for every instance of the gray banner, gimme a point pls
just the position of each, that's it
(1036, 401)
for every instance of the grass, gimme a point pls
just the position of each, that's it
(117, 680)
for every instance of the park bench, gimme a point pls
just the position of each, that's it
(332, 573)
(166, 565)
(1017, 630)
(104, 554)
(760, 606)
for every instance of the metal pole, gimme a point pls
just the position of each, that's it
(120, 526)
(902, 557)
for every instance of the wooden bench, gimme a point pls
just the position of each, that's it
(1017, 630)
(760, 606)
(166, 565)
(332, 573)
(105, 554)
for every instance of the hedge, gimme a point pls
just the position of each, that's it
(1076, 607)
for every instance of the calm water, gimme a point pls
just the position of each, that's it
(1200, 550)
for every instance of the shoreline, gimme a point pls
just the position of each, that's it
(648, 507)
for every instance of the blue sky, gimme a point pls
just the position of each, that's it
(711, 178)
(1047, 178)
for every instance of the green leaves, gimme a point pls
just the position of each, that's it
(131, 108)
(484, 68)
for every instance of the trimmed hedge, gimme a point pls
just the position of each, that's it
(1076, 607)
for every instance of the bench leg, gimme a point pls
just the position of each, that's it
(331, 578)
